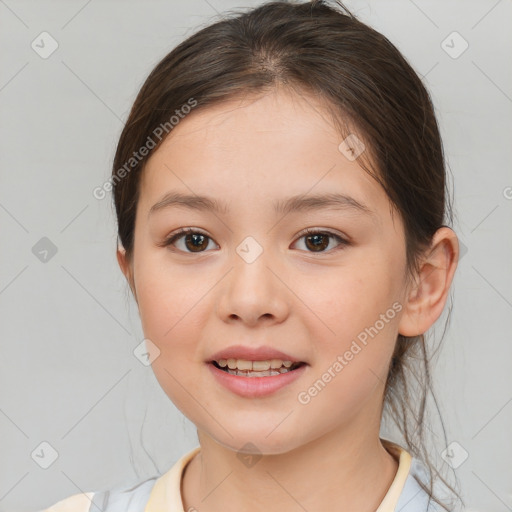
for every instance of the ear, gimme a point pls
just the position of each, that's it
(126, 268)
(427, 295)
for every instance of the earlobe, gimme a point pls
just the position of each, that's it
(125, 267)
(122, 261)
(427, 296)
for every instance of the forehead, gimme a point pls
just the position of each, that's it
(266, 147)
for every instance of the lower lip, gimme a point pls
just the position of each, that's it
(250, 387)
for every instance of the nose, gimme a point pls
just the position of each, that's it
(254, 293)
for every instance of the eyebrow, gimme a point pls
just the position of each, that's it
(300, 203)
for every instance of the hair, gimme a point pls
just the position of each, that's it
(368, 88)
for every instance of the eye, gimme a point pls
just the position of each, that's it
(319, 240)
(193, 240)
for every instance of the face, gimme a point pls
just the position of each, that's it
(319, 282)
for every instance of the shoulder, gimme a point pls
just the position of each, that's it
(413, 497)
(131, 497)
(75, 503)
(117, 499)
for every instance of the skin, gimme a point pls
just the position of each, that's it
(326, 454)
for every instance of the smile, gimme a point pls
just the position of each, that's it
(255, 379)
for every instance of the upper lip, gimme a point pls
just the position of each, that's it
(252, 354)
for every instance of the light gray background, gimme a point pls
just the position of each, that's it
(68, 327)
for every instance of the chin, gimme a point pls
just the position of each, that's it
(256, 442)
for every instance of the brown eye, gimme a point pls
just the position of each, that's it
(319, 241)
(195, 242)
(191, 241)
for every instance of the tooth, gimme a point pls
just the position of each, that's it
(243, 364)
(261, 365)
(265, 373)
(258, 374)
(246, 368)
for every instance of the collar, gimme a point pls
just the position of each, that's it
(166, 493)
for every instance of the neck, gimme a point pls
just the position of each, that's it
(355, 475)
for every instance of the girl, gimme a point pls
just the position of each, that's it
(281, 201)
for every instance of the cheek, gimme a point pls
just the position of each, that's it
(166, 296)
(354, 297)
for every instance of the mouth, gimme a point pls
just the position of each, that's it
(246, 368)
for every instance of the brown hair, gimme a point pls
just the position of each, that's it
(368, 87)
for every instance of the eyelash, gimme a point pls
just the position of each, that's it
(186, 231)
